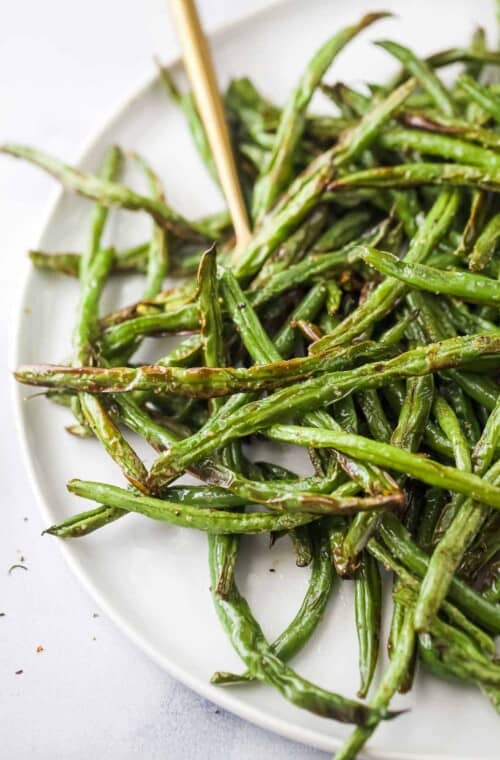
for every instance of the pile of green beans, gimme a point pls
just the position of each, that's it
(360, 323)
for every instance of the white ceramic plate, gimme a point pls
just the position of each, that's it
(152, 579)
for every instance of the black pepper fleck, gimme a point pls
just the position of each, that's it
(15, 567)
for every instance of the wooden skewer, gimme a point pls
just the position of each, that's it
(201, 73)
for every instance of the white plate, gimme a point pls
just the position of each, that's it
(152, 579)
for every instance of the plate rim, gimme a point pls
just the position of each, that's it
(219, 696)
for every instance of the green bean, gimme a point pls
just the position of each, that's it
(103, 427)
(129, 260)
(304, 193)
(464, 319)
(414, 415)
(347, 99)
(376, 420)
(90, 415)
(387, 687)
(344, 411)
(278, 170)
(198, 382)
(481, 95)
(184, 354)
(183, 319)
(186, 102)
(65, 263)
(302, 273)
(439, 663)
(87, 325)
(463, 55)
(308, 308)
(327, 322)
(210, 315)
(89, 410)
(357, 139)
(314, 496)
(484, 451)
(212, 521)
(469, 287)
(110, 169)
(424, 73)
(480, 389)
(107, 193)
(157, 266)
(440, 145)
(416, 174)
(434, 503)
(302, 545)
(257, 155)
(440, 59)
(367, 604)
(452, 126)
(457, 651)
(204, 497)
(310, 613)
(257, 115)
(485, 245)
(225, 577)
(426, 133)
(412, 421)
(396, 333)
(273, 471)
(450, 425)
(480, 202)
(343, 230)
(311, 268)
(211, 328)
(361, 527)
(84, 523)
(460, 400)
(161, 437)
(386, 455)
(334, 296)
(168, 301)
(394, 393)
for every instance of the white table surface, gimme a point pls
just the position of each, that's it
(90, 693)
